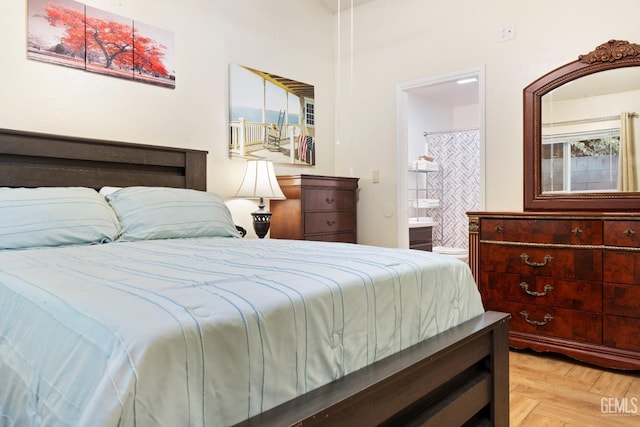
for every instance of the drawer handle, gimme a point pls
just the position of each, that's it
(577, 231)
(547, 319)
(499, 229)
(525, 289)
(629, 232)
(525, 258)
(330, 200)
(330, 222)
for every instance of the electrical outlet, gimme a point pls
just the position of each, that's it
(506, 32)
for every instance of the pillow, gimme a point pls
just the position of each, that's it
(148, 213)
(54, 216)
(104, 191)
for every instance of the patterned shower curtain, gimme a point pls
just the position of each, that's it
(458, 153)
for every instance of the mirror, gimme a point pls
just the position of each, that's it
(580, 133)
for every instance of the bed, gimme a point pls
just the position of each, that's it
(123, 332)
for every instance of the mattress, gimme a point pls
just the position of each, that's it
(207, 331)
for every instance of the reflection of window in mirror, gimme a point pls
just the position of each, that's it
(581, 161)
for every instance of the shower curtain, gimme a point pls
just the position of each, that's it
(458, 154)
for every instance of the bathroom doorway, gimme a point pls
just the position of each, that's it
(442, 118)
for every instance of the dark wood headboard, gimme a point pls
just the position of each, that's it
(29, 159)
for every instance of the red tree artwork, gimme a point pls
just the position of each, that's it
(108, 43)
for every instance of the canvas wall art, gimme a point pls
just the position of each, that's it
(70, 33)
(271, 117)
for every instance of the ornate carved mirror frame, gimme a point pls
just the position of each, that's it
(611, 55)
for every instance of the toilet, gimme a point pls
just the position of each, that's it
(460, 253)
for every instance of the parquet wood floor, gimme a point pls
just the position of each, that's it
(551, 390)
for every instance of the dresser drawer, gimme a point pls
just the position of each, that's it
(550, 321)
(327, 199)
(328, 222)
(622, 299)
(621, 266)
(622, 233)
(333, 237)
(622, 332)
(572, 294)
(564, 263)
(558, 231)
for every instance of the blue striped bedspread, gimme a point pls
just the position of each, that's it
(195, 332)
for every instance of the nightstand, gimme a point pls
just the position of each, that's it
(317, 208)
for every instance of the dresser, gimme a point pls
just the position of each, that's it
(316, 208)
(571, 282)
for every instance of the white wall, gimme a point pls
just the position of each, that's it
(394, 41)
(466, 117)
(423, 114)
(407, 40)
(289, 38)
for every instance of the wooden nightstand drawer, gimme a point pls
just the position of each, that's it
(558, 231)
(328, 222)
(317, 199)
(622, 233)
(564, 263)
(572, 294)
(552, 321)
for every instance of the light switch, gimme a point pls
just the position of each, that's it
(506, 32)
(376, 176)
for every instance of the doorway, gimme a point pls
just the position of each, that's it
(443, 111)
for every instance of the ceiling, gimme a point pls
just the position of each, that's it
(332, 5)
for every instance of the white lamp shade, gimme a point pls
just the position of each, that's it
(260, 181)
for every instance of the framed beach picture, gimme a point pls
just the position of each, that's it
(270, 117)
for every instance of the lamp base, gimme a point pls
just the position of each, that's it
(261, 222)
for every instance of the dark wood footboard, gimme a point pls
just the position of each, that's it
(459, 377)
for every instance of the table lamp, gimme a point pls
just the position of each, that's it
(260, 182)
